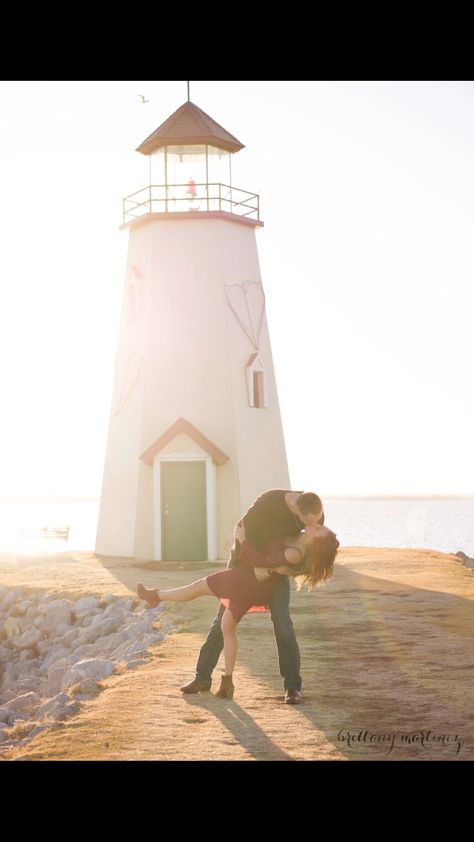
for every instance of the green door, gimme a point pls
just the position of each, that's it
(183, 511)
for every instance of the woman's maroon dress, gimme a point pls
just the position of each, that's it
(238, 588)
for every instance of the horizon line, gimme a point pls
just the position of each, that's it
(46, 498)
(398, 496)
(15, 498)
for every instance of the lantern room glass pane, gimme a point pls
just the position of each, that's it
(157, 167)
(218, 165)
(185, 164)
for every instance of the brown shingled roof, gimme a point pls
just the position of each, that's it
(189, 125)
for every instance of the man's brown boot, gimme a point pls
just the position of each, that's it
(292, 696)
(197, 685)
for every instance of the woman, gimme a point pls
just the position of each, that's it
(309, 557)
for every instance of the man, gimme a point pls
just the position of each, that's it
(277, 513)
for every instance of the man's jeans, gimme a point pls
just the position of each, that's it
(288, 650)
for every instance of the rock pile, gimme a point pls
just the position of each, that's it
(55, 652)
(466, 560)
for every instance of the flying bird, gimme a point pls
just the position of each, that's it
(143, 98)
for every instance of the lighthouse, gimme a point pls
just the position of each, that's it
(195, 432)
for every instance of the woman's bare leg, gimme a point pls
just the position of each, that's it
(186, 593)
(154, 596)
(229, 631)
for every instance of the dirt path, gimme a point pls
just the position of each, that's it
(387, 663)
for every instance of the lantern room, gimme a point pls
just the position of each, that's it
(190, 169)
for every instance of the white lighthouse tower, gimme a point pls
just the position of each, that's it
(195, 430)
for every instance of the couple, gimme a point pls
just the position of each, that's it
(281, 535)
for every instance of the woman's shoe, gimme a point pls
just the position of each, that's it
(226, 690)
(150, 595)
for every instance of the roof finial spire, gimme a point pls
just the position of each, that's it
(187, 83)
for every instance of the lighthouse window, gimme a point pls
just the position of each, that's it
(258, 399)
(257, 386)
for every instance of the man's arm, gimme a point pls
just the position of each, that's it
(287, 556)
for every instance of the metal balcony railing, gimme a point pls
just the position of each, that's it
(162, 198)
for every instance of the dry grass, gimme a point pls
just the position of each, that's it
(386, 651)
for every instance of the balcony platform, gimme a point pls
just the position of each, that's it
(231, 217)
(214, 200)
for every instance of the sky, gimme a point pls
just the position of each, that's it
(367, 195)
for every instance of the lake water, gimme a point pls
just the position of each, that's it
(80, 515)
(440, 524)
(446, 525)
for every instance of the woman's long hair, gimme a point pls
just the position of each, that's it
(319, 559)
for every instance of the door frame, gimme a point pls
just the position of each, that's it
(211, 500)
